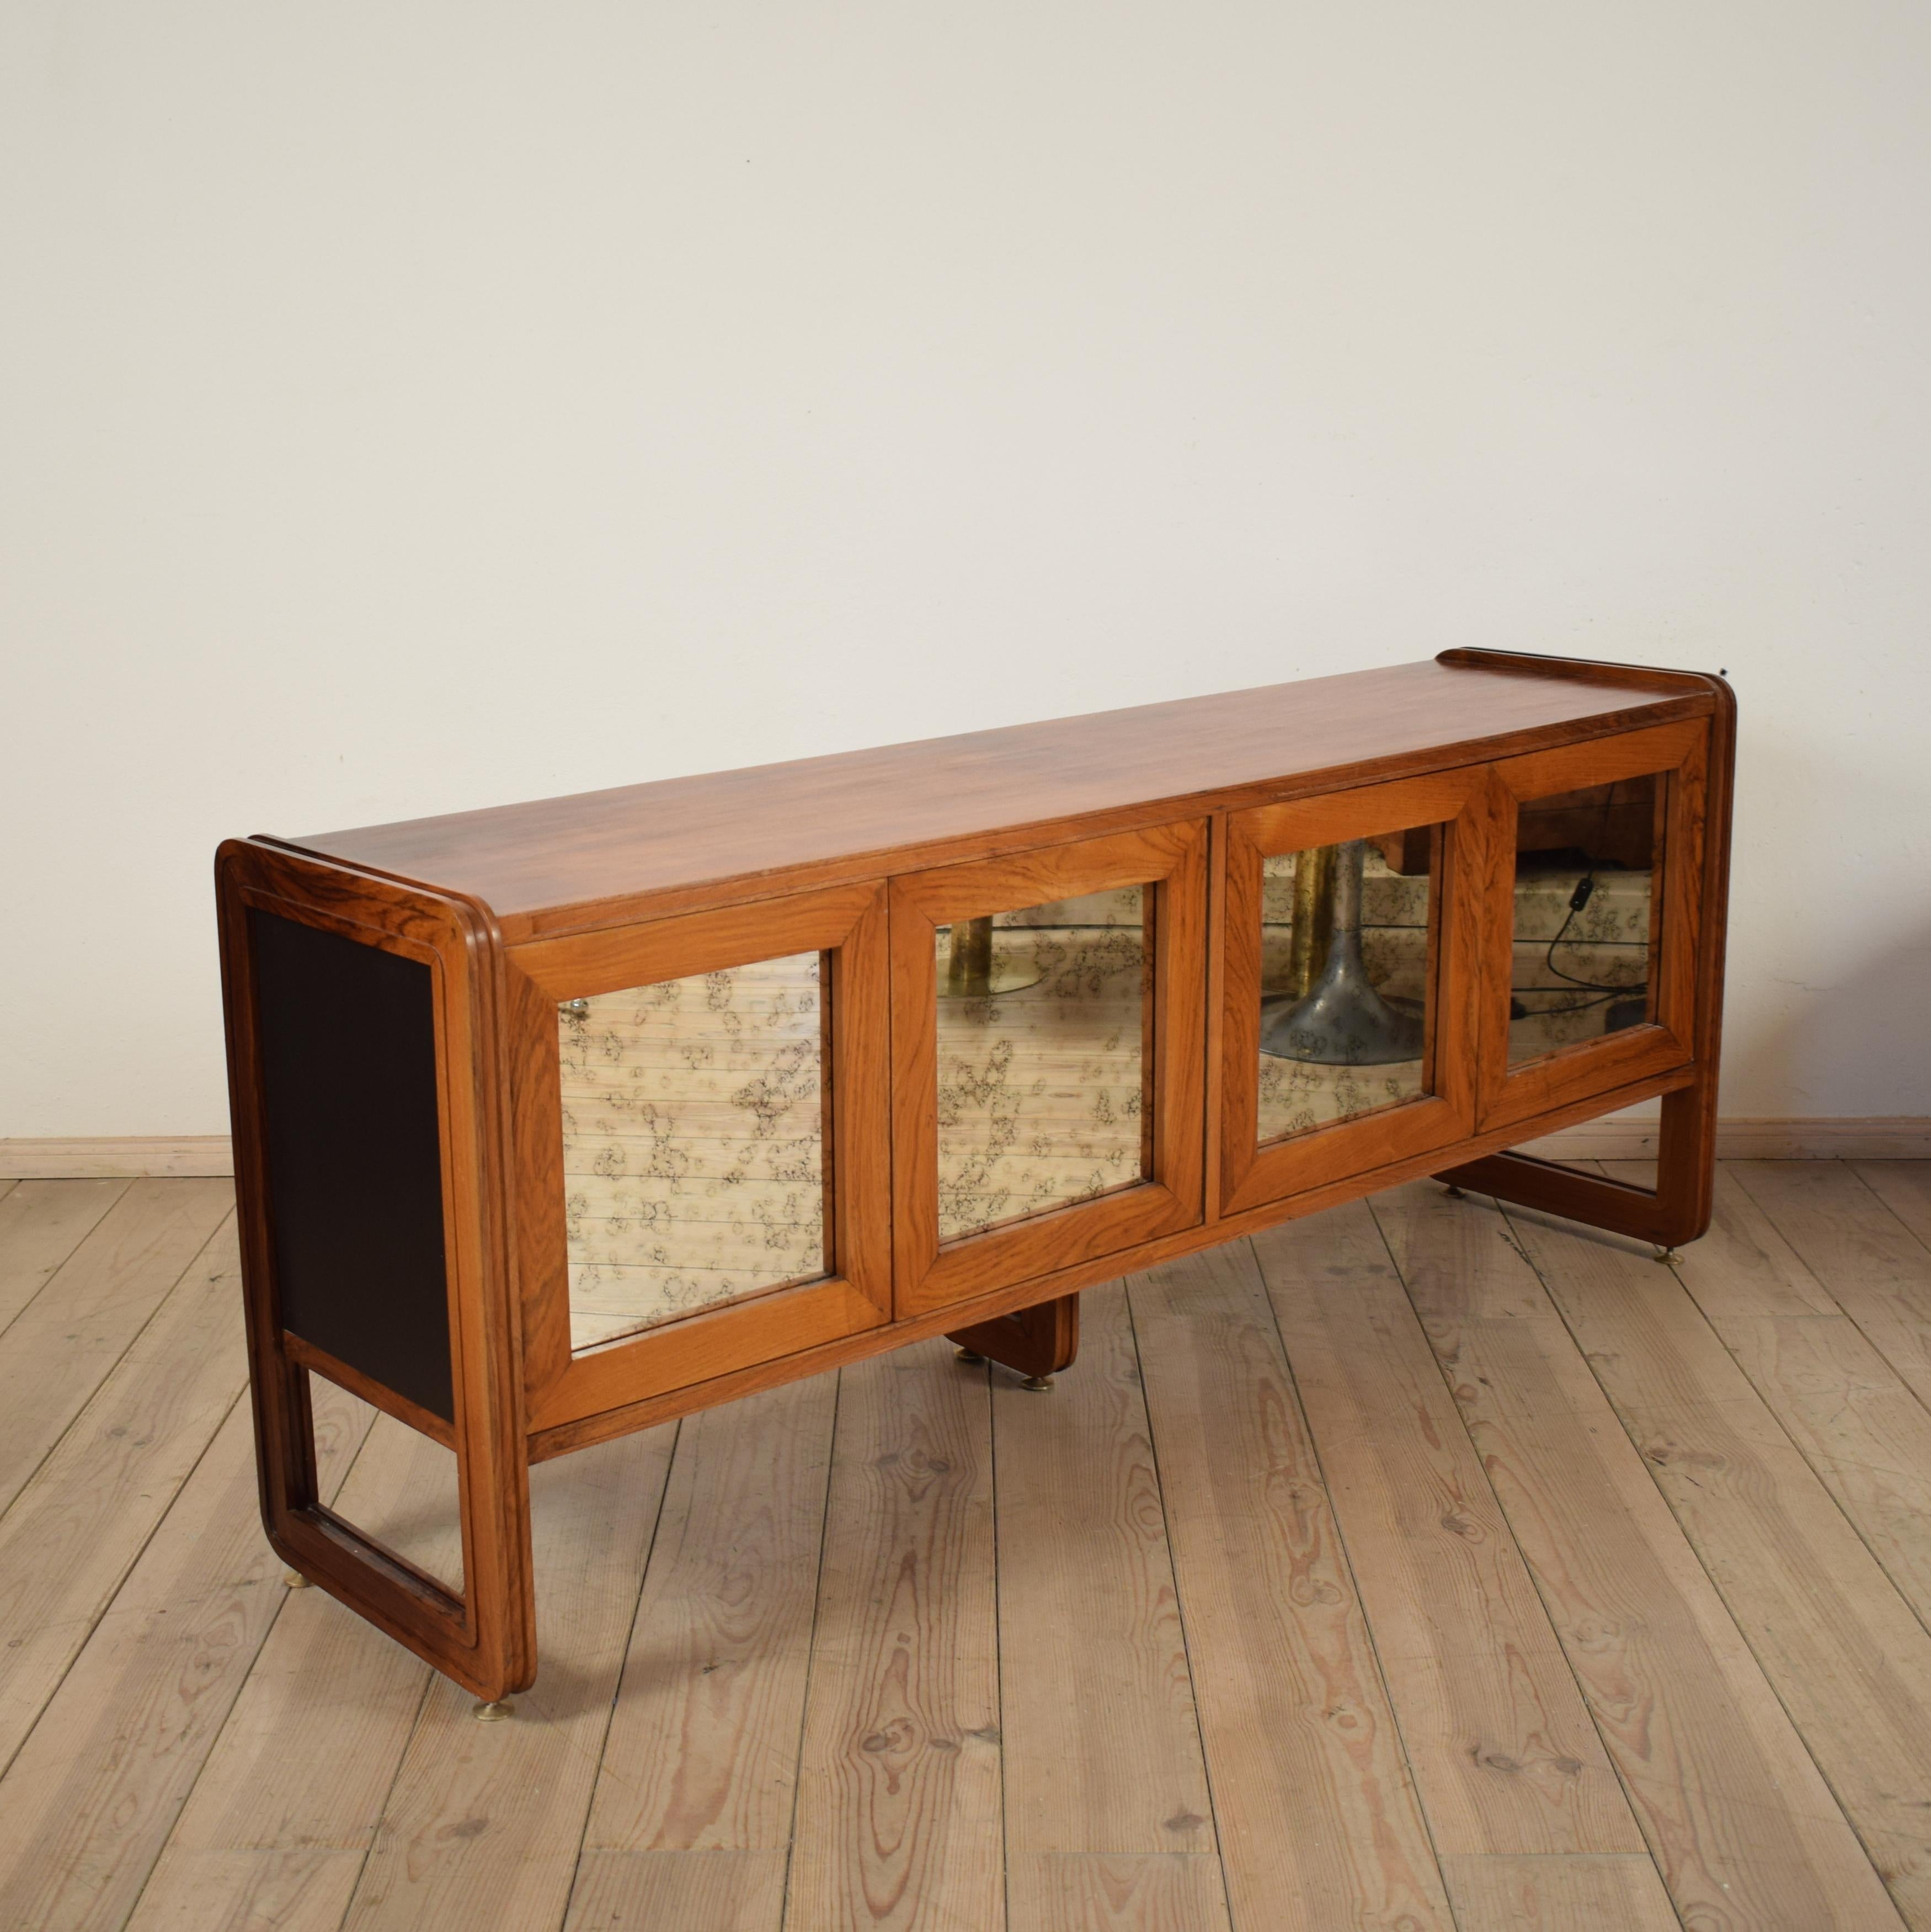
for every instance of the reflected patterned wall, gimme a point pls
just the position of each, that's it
(1043, 1098)
(693, 1143)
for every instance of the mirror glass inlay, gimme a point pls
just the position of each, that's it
(1585, 925)
(1346, 986)
(1045, 1018)
(693, 1143)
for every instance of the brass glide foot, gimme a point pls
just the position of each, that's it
(1666, 1256)
(1037, 1384)
(495, 1712)
(971, 1360)
(295, 1580)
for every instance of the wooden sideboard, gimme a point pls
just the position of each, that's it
(556, 1120)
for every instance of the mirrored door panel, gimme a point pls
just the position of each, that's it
(1044, 1018)
(1352, 931)
(701, 1114)
(1588, 869)
(1046, 1024)
(694, 1114)
(1346, 984)
(1592, 972)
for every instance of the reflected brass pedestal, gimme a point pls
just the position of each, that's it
(972, 973)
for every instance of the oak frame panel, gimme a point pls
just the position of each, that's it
(848, 925)
(1680, 754)
(1172, 859)
(1463, 803)
(485, 1636)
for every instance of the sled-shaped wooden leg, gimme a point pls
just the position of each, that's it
(1674, 1213)
(484, 1637)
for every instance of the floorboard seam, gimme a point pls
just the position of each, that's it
(1809, 1268)
(214, 1743)
(1535, 1582)
(59, 1266)
(1809, 1462)
(153, 1530)
(1855, 1170)
(73, 1421)
(402, 1756)
(812, 1645)
(382, 1816)
(617, 1683)
(998, 1654)
(1354, 1582)
(1770, 1681)
(1180, 1610)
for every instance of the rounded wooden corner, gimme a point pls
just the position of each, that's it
(1664, 681)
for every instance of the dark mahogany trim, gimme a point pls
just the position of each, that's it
(1038, 1342)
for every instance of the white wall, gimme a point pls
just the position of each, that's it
(421, 405)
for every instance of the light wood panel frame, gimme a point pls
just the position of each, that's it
(1464, 804)
(1171, 860)
(485, 1636)
(848, 925)
(1679, 755)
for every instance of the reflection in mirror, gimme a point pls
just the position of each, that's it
(1585, 930)
(1044, 1080)
(1344, 979)
(693, 1134)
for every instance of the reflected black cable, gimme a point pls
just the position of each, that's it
(1586, 889)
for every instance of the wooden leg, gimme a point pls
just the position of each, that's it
(1686, 1164)
(1036, 1342)
(486, 1638)
(1675, 1213)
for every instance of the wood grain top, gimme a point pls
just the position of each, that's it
(555, 864)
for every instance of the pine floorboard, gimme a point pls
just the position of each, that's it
(1425, 1564)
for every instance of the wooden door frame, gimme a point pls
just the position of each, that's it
(847, 924)
(1680, 754)
(1171, 859)
(1463, 802)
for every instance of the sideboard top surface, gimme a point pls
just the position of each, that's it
(540, 866)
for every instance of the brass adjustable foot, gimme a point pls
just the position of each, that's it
(494, 1712)
(1666, 1256)
(295, 1580)
(971, 1360)
(1037, 1383)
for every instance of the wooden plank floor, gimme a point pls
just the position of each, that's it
(1420, 1566)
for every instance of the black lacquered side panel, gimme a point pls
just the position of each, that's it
(348, 1066)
